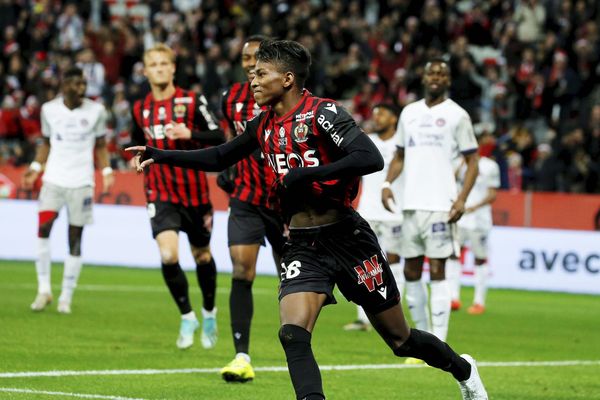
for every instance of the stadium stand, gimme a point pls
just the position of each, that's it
(528, 71)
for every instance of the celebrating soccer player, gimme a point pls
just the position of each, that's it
(173, 118)
(318, 154)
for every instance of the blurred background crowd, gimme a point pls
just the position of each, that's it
(527, 71)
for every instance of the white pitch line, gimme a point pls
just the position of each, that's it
(127, 288)
(351, 367)
(79, 395)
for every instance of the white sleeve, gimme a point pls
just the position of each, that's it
(100, 127)
(464, 135)
(46, 130)
(493, 178)
(400, 133)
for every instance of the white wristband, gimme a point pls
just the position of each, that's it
(107, 171)
(386, 185)
(35, 166)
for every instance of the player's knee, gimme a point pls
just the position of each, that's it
(168, 256)
(412, 274)
(244, 270)
(405, 347)
(292, 335)
(202, 257)
(45, 221)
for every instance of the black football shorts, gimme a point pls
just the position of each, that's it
(345, 253)
(196, 222)
(250, 224)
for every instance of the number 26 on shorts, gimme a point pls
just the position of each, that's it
(290, 271)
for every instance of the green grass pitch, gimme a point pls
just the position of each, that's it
(124, 320)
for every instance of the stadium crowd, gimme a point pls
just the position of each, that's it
(527, 71)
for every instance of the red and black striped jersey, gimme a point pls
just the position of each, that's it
(252, 176)
(312, 133)
(164, 182)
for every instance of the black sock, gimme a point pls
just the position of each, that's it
(207, 279)
(241, 308)
(302, 365)
(433, 351)
(178, 286)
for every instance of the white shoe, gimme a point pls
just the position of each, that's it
(64, 307)
(209, 332)
(186, 333)
(472, 388)
(41, 301)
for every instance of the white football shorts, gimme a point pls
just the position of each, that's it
(79, 202)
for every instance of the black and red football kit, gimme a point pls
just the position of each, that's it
(177, 197)
(317, 153)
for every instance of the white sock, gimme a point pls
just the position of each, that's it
(361, 315)
(440, 308)
(481, 277)
(209, 314)
(70, 277)
(416, 298)
(244, 356)
(42, 266)
(191, 316)
(453, 275)
(398, 271)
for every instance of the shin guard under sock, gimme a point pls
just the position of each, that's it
(241, 309)
(433, 351)
(178, 286)
(302, 365)
(207, 280)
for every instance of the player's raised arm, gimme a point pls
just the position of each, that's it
(213, 159)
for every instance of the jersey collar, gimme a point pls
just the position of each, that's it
(305, 95)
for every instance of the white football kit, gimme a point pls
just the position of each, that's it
(386, 225)
(474, 227)
(431, 137)
(69, 173)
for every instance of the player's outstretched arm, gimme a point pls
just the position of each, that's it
(362, 158)
(213, 159)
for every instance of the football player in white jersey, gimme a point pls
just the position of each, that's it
(473, 229)
(73, 130)
(430, 132)
(386, 225)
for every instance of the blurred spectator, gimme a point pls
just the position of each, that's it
(530, 16)
(94, 73)
(70, 29)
